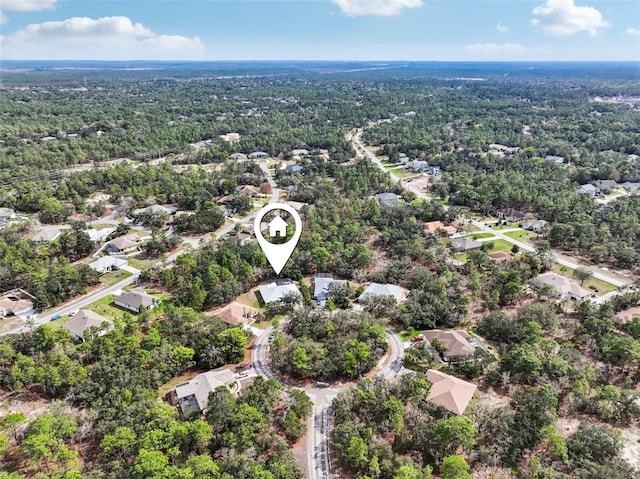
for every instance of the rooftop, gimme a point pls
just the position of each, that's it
(450, 392)
(377, 289)
(236, 313)
(275, 291)
(84, 320)
(456, 341)
(194, 394)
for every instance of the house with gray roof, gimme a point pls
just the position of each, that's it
(554, 159)
(84, 320)
(136, 300)
(155, 210)
(606, 186)
(561, 287)
(387, 198)
(193, 395)
(465, 244)
(277, 290)
(238, 156)
(46, 235)
(293, 169)
(6, 214)
(377, 289)
(321, 283)
(631, 187)
(588, 189)
(258, 154)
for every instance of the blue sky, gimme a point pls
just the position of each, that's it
(320, 29)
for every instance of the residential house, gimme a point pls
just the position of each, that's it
(435, 227)
(588, 189)
(85, 319)
(105, 264)
(628, 314)
(237, 314)
(16, 302)
(6, 214)
(387, 198)
(434, 170)
(240, 238)
(561, 287)
(465, 244)
(249, 190)
(98, 236)
(46, 235)
(456, 342)
(155, 210)
(500, 257)
(231, 137)
(321, 283)
(276, 291)
(258, 154)
(511, 214)
(450, 392)
(293, 169)
(296, 205)
(403, 158)
(534, 225)
(238, 156)
(606, 186)
(376, 289)
(509, 150)
(300, 152)
(123, 244)
(631, 187)
(554, 159)
(136, 300)
(193, 395)
(418, 166)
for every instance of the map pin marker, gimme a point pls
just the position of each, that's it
(277, 254)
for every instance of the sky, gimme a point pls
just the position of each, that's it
(429, 30)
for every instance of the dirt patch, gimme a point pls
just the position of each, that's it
(631, 449)
(28, 402)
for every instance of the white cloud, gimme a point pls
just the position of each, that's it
(634, 32)
(27, 5)
(383, 8)
(497, 51)
(501, 28)
(106, 38)
(564, 17)
(3, 18)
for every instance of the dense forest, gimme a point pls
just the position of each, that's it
(549, 363)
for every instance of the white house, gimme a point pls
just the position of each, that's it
(104, 264)
(376, 289)
(275, 291)
(84, 320)
(136, 300)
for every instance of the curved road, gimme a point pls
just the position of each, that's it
(318, 443)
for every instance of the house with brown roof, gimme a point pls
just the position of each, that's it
(500, 257)
(511, 214)
(450, 392)
(16, 302)
(237, 314)
(193, 395)
(123, 244)
(84, 320)
(629, 314)
(435, 227)
(456, 342)
(136, 300)
(249, 190)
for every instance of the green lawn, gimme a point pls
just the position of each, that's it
(408, 336)
(500, 245)
(114, 277)
(504, 227)
(106, 308)
(602, 286)
(481, 235)
(141, 263)
(522, 235)
(102, 226)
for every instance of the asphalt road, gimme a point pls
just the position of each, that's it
(319, 426)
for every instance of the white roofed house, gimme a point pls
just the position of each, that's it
(588, 189)
(300, 152)
(321, 283)
(377, 289)
(6, 214)
(46, 235)
(85, 320)
(276, 291)
(105, 264)
(560, 286)
(193, 395)
(97, 236)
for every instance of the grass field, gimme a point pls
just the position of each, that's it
(499, 245)
(522, 235)
(141, 263)
(508, 226)
(105, 307)
(114, 277)
(481, 235)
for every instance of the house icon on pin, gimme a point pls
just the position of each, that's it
(277, 226)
